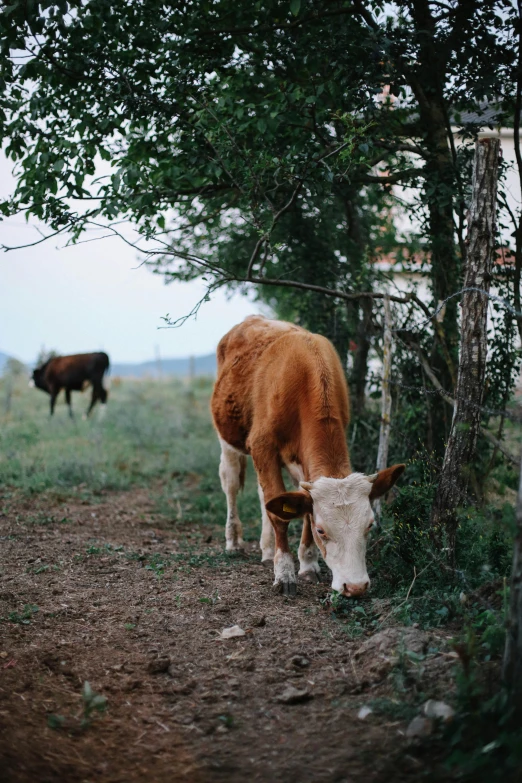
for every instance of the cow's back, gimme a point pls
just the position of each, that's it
(271, 373)
(75, 370)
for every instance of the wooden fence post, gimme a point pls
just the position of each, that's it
(386, 398)
(462, 441)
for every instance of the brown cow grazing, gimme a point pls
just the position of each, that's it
(73, 373)
(281, 396)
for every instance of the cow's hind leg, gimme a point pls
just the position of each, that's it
(68, 401)
(267, 542)
(95, 397)
(309, 568)
(103, 399)
(232, 468)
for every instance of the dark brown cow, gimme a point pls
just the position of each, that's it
(73, 373)
(281, 397)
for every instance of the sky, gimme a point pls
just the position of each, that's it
(95, 296)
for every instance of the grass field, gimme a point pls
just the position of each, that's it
(114, 572)
(152, 430)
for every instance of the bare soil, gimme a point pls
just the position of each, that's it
(83, 598)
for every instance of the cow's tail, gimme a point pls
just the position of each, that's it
(242, 470)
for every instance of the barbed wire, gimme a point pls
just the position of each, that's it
(515, 416)
(501, 300)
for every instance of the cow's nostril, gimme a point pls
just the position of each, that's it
(352, 590)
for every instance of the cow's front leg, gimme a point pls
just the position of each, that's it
(309, 568)
(232, 474)
(268, 468)
(284, 569)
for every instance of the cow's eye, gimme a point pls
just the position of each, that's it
(320, 531)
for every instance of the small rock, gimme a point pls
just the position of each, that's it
(158, 665)
(300, 661)
(292, 695)
(438, 709)
(257, 621)
(232, 632)
(419, 727)
(364, 712)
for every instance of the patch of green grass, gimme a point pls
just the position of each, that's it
(157, 564)
(24, 617)
(152, 429)
(41, 569)
(46, 519)
(394, 709)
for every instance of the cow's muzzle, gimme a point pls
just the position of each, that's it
(355, 590)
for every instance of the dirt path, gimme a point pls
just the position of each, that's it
(109, 593)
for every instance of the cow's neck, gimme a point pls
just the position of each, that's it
(323, 449)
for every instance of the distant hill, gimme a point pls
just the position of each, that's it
(202, 365)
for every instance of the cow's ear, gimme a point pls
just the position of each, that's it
(384, 480)
(291, 505)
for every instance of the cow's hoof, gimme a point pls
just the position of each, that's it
(288, 589)
(236, 549)
(309, 576)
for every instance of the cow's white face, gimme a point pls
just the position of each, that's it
(342, 517)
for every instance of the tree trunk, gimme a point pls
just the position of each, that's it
(512, 664)
(427, 82)
(460, 449)
(384, 435)
(359, 372)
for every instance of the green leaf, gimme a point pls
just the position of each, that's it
(55, 721)
(295, 6)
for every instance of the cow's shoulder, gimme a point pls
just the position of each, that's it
(251, 337)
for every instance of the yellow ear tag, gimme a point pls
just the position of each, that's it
(289, 509)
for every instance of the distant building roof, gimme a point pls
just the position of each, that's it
(487, 115)
(402, 260)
